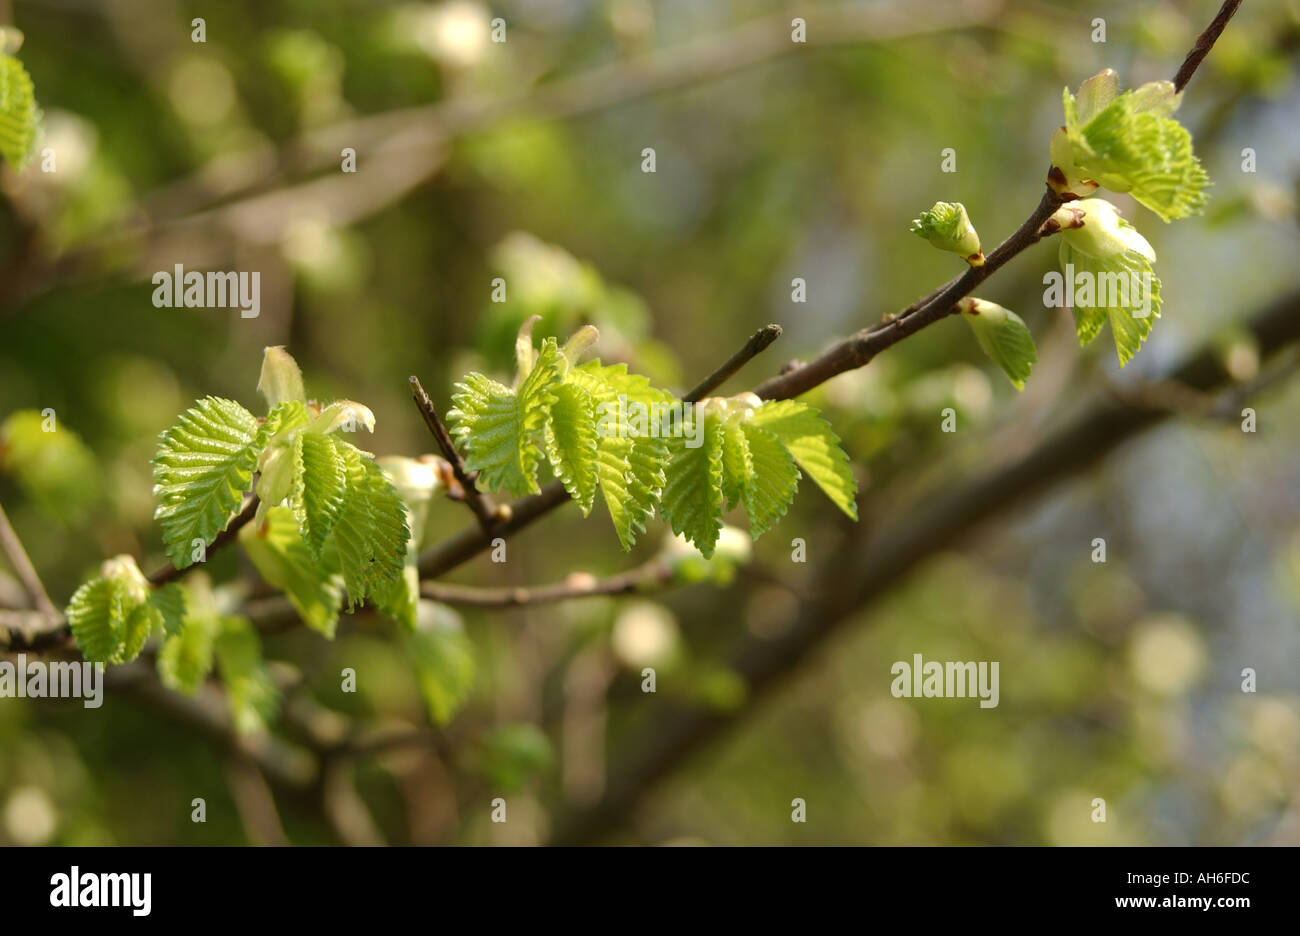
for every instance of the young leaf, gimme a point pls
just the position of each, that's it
(692, 497)
(319, 485)
(1004, 337)
(772, 482)
(443, 658)
(371, 532)
(1107, 267)
(630, 467)
(737, 462)
(203, 467)
(253, 697)
(186, 659)
(97, 616)
(571, 442)
(280, 380)
(169, 601)
(314, 585)
(1129, 143)
(500, 427)
(815, 446)
(19, 116)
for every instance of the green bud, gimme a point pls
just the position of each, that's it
(281, 380)
(1004, 337)
(948, 227)
(582, 339)
(124, 568)
(1096, 93)
(1103, 233)
(340, 413)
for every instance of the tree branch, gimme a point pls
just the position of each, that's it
(872, 567)
(23, 568)
(478, 503)
(1204, 43)
(758, 342)
(169, 572)
(651, 576)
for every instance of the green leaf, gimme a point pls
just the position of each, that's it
(772, 482)
(1132, 145)
(692, 496)
(630, 469)
(1131, 320)
(500, 428)
(169, 601)
(571, 442)
(314, 586)
(203, 467)
(19, 116)
(143, 620)
(737, 462)
(280, 380)
(319, 485)
(97, 616)
(1004, 337)
(186, 659)
(251, 693)
(815, 446)
(443, 658)
(371, 532)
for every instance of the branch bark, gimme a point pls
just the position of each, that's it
(478, 503)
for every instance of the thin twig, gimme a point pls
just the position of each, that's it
(1204, 43)
(478, 503)
(758, 342)
(651, 576)
(22, 565)
(169, 572)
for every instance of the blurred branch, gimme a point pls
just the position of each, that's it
(23, 568)
(254, 801)
(651, 576)
(27, 634)
(478, 503)
(707, 59)
(863, 573)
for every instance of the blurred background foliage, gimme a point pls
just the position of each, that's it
(523, 160)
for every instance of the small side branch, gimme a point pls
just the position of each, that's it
(757, 343)
(652, 576)
(169, 572)
(26, 572)
(478, 503)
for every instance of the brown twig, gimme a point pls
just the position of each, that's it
(758, 342)
(169, 572)
(1204, 43)
(478, 503)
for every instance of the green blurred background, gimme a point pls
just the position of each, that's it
(523, 159)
